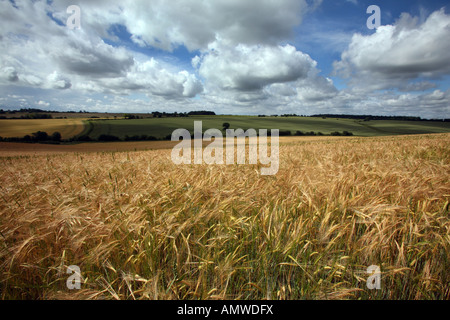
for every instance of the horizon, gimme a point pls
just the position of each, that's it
(38, 110)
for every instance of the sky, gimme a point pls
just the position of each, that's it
(247, 57)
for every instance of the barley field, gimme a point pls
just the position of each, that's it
(19, 128)
(140, 227)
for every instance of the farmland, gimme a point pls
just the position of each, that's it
(11, 149)
(74, 126)
(160, 128)
(141, 227)
(18, 128)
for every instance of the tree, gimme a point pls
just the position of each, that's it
(56, 136)
(40, 136)
(108, 138)
(84, 138)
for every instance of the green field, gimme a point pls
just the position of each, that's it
(161, 127)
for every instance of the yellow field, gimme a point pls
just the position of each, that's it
(19, 128)
(11, 149)
(140, 227)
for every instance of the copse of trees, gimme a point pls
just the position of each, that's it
(108, 138)
(143, 137)
(201, 113)
(312, 133)
(33, 116)
(344, 133)
(36, 137)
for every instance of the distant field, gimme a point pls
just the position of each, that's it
(162, 127)
(19, 128)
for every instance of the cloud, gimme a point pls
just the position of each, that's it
(194, 24)
(43, 103)
(158, 80)
(244, 60)
(81, 60)
(58, 81)
(10, 74)
(250, 68)
(38, 51)
(151, 77)
(84, 56)
(398, 53)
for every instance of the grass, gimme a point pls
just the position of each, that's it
(19, 128)
(140, 227)
(160, 128)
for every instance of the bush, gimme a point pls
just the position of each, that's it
(284, 133)
(40, 136)
(84, 138)
(56, 136)
(108, 138)
(133, 138)
(143, 137)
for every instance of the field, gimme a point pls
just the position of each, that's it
(141, 227)
(19, 128)
(76, 125)
(160, 128)
(11, 149)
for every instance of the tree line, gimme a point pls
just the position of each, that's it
(36, 137)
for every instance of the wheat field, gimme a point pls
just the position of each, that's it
(21, 127)
(140, 227)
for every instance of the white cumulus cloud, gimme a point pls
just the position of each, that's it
(248, 68)
(398, 53)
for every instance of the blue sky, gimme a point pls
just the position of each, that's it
(228, 56)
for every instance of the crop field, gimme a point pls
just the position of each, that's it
(19, 128)
(140, 227)
(160, 128)
(13, 149)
